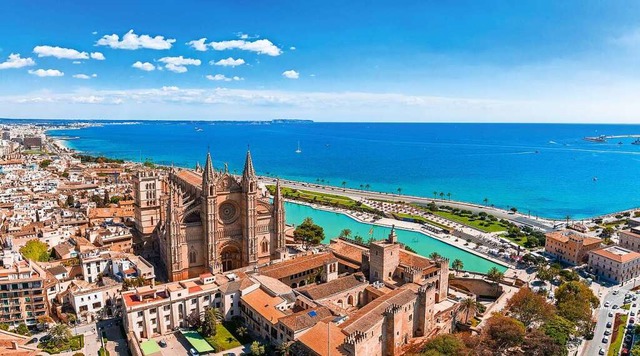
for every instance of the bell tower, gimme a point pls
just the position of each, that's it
(209, 196)
(278, 215)
(250, 194)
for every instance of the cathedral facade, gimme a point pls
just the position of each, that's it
(211, 221)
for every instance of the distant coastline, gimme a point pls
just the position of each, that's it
(558, 176)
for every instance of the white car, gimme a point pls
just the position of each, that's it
(601, 352)
(607, 304)
(610, 314)
(605, 340)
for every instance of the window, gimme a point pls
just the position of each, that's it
(192, 256)
(194, 301)
(140, 314)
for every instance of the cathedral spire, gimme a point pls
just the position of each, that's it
(277, 199)
(248, 171)
(207, 175)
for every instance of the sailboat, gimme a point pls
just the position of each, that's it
(298, 150)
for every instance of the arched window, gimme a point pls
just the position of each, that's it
(192, 256)
(350, 300)
(265, 246)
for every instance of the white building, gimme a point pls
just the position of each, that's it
(615, 263)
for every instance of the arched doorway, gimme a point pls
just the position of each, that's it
(230, 258)
(350, 300)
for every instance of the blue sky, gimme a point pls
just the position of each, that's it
(524, 61)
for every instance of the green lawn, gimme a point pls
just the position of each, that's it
(223, 339)
(494, 226)
(421, 219)
(614, 349)
(75, 343)
(626, 306)
(323, 199)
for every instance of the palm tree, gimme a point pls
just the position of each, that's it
(399, 190)
(495, 275)
(345, 233)
(241, 331)
(467, 305)
(435, 256)
(435, 194)
(344, 184)
(367, 186)
(567, 218)
(361, 186)
(441, 195)
(285, 348)
(449, 196)
(457, 265)
(486, 201)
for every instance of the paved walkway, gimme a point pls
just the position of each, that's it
(360, 194)
(236, 351)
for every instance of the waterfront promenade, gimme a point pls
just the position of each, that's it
(358, 195)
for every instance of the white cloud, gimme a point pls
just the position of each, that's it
(14, 61)
(291, 74)
(97, 56)
(132, 41)
(170, 88)
(91, 99)
(59, 52)
(94, 32)
(198, 45)
(146, 66)
(292, 48)
(243, 36)
(84, 76)
(178, 64)
(223, 78)
(229, 62)
(46, 73)
(76, 62)
(259, 46)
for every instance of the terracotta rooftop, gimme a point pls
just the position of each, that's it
(305, 319)
(564, 235)
(325, 339)
(296, 265)
(190, 177)
(411, 259)
(321, 291)
(264, 304)
(617, 253)
(347, 250)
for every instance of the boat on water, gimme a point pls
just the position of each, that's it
(199, 129)
(598, 139)
(298, 150)
(636, 142)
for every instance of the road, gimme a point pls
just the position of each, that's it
(602, 316)
(520, 219)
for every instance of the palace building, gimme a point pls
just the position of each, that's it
(209, 220)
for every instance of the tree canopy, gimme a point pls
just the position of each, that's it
(445, 344)
(529, 307)
(309, 232)
(35, 250)
(503, 333)
(575, 302)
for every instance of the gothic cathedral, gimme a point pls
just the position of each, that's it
(211, 221)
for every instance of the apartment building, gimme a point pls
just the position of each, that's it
(615, 263)
(569, 246)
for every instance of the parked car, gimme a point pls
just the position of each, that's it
(193, 352)
(605, 340)
(607, 332)
(632, 320)
(32, 341)
(610, 314)
(608, 325)
(607, 304)
(615, 306)
(162, 343)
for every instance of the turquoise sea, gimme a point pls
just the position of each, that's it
(333, 223)
(544, 169)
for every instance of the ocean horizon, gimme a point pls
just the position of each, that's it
(545, 170)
